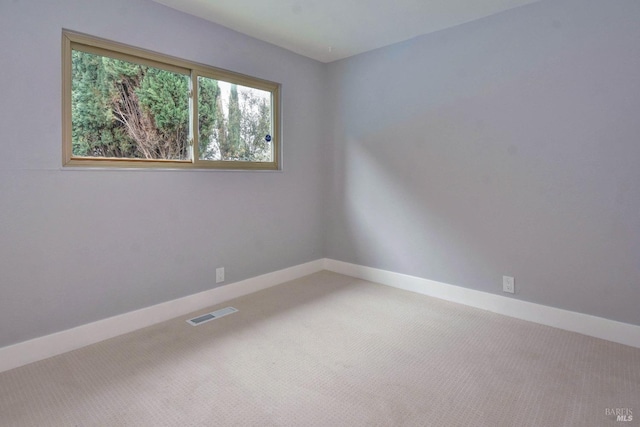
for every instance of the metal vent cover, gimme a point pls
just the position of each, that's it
(211, 316)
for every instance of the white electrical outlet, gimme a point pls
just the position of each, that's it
(508, 284)
(219, 274)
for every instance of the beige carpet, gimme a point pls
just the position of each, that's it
(330, 350)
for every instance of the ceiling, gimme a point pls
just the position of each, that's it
(328, 30)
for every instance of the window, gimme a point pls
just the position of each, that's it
(127, 107)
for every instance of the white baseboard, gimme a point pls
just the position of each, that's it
(41, 348)
(61, 342)
(585, 324)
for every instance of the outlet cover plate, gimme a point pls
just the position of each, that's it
(508, 284)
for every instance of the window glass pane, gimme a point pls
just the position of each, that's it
(234, 122)
(121, 109)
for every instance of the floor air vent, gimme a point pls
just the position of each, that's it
(211, 316)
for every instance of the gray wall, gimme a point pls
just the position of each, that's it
(509, 145)
(81, 245)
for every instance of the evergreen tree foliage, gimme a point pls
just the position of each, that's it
(126, 110)
(235, 116)
(93, 130)
(164, 109)
(209, 113)
(255, 126)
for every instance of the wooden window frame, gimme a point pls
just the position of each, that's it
(85, 43)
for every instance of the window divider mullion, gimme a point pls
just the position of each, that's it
(193, 119)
